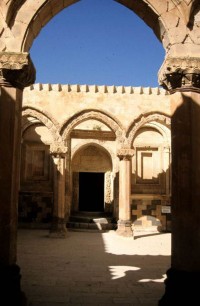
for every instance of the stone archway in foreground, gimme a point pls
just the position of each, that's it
(177, 26)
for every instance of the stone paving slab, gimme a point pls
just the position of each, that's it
(92, 268)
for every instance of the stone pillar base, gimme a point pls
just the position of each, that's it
(181, 288)
(58, 229)
(124, 228)
(10, 289)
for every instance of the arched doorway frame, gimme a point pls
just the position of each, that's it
(108, 175)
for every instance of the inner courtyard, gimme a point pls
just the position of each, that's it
(140, 145)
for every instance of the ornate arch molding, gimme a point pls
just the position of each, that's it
(43, 118)
(40, 12)
(148, 13)
(162, 129)
(70, 124)
(101, 146)
(145, 119)
(94, 142)
(13, 8)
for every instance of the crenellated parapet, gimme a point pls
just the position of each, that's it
(99, 89)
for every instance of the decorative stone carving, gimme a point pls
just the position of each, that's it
(125, 153)
(180, 73)
(16, 70)
(69, 125)
(108, 187)
(144, 119)
(58, 150)
(44, 118)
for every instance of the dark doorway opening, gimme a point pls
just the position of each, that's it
(91, 191)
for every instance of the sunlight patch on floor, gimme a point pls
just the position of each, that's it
(159, 280)
(120, 271)
(147, 244)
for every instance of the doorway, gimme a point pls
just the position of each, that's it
(91, 191)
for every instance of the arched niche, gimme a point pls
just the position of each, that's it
(36, 183)
(148, 163)
(150, 181)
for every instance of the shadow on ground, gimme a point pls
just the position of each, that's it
(92, 268)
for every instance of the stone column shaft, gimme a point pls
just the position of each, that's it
(10, 139)
(181, 76)
(186, 181)
(124, 189)
(167, 169)
(16, 72)
(124, 223)
(58, 227)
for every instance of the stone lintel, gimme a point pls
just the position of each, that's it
(125, 153)
(16, 70)
(180, 74)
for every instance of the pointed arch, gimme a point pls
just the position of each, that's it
(41, 117)
(78, 118)
(159, 118)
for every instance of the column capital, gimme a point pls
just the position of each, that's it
(125, 153)
(166, 149)
(58, 150)
(180, 74)
(16, 70)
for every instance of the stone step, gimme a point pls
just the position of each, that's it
(91, 221)
(91, 226)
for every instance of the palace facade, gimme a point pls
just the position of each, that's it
(82, 144)
(63, 134)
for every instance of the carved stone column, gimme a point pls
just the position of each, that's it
(166, 168)
(58, 227)
(181, 76)
(124, 223)
(16, 71)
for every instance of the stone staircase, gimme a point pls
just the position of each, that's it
(91, 221)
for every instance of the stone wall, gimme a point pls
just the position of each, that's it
(94, 122)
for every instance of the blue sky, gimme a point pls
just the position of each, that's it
(97, 42)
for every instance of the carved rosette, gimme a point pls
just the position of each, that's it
(58, 150)
(180, 74)
(125, 154)
(16, 70)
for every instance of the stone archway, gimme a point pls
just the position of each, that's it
(177, 26)
(91, 167)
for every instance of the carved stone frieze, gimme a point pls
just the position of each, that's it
(180, 74)
(16, 70)
(108, 187)
(125, 153)
(69, 126)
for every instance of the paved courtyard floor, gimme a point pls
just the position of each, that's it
(93, 268)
